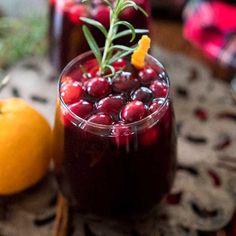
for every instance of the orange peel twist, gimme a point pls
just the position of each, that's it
(139, 54)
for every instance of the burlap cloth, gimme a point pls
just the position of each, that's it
(204, 194)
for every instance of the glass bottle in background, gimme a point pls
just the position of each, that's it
(66, 39)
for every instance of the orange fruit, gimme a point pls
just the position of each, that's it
(25, 146)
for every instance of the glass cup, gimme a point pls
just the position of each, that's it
(66, 38)
(117, 169)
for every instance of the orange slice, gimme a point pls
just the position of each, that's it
(139, 54)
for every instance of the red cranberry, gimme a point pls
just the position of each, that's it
(65, 118)
(125, 83)
(76, 11)
(81, 108)
(149, 136)
(71, 91)
(156, 104)
(159, 89)
(101, 13)
(91, 67)
(141, 3)
(98, 87)
(100, 118)
(119, 64)
(142, 94)
(65, 81)
(122, 134)
(133, 111)
(147, 75)
(130, 12)
(110, 105)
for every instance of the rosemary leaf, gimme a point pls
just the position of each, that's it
(119, 55)
(128, 32)
(96, 24)
(128, 25)
(121, 47)
(112, 70)
(92, 43)
(142, 10)
(108, 3)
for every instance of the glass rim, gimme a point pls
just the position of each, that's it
(101, 126)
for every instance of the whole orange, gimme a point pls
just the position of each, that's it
(25, 146)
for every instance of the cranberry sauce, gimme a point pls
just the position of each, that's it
(65, 27)
(114, 138)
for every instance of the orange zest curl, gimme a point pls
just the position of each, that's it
(139, 54)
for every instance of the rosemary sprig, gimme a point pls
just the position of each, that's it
(112, 52)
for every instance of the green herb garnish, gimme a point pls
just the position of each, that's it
(112, 52)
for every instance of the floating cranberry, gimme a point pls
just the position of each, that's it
(147, 75)
(98, 87)
(66, 82)
(156, 105)
(101, 13)
(91, 68)
(76, 11)
(125, 83)
(133, 111)
(119, 64)
(100, 118)
(159, 89)
(110, 105)
(142, 94)
(121, 134)
(71, 91)
(65, 118)
(81, 108)
(149, 136)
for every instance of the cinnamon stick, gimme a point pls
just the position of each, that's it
(62, 216)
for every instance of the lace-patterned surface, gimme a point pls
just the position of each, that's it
(204, 193)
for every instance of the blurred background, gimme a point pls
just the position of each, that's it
(169, 20)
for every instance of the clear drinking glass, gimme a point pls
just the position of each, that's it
(117, 169)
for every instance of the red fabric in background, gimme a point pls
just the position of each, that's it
(211, 26)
